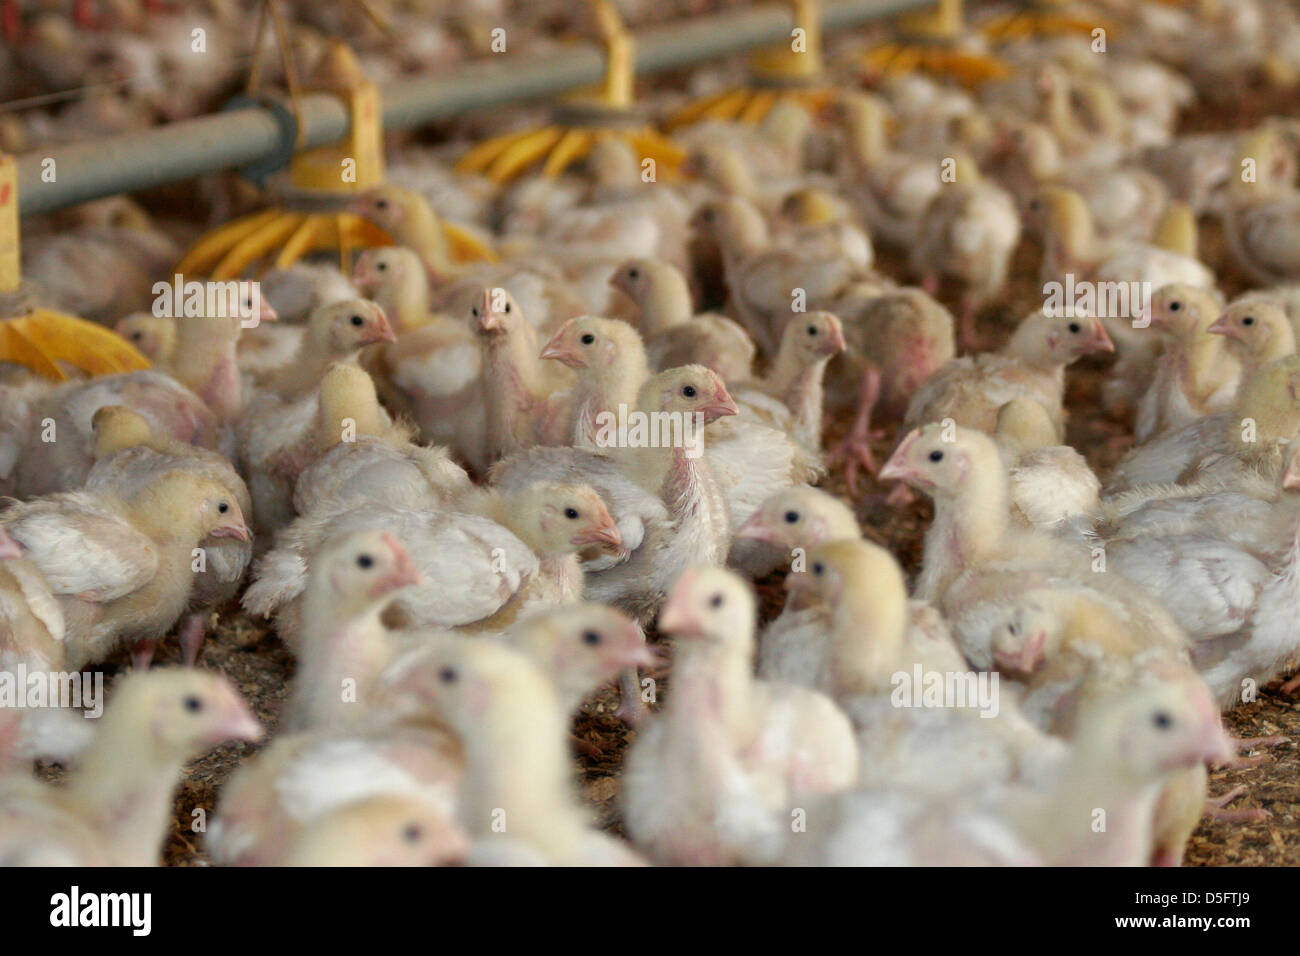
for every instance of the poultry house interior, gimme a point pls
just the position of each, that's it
(881, 415)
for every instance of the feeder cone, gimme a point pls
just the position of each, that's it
(1040, 18)
(329, 177)
(42, 340)
(580, 124)
(932, 43)
(792, 70)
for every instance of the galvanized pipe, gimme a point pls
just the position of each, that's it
(249, 135)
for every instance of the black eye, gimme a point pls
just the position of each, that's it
(1035, 204)
(634, 273)
(571, 513)
(1011, 629)
(223, 508)
(193, 704)
(1162, 720)
(588, 339)
(365, 561)
(507, 308)
(448, 675)
(812, 330)
(819, 568)
(715, 601)
(382, 267)
(689, 391)
(590, 638)
(1248, 320)
(136, 336)
(381, 203)
(473, 310)
(1074, 328)
(792, 517)
(936, 455)
(413, 833)
(358, 321)
(1175, 306)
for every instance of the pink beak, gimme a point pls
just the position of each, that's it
(9, 548)
(1100, 340)
(1224, 326)
(897, 467)
(607, 536)
(239, 532)
(835, 340)
(676, 616)
(238, 724)
(756, 528)
(556, 349)
(404, 574)
(721, 406)
(383, 331)
(1027, 658)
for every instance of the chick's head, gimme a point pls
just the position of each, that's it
(688, 390)
(564, 519)
(939, 458)
(341, 328)
(361, 569)
(709, 605)
(182, 711)
(800, 517)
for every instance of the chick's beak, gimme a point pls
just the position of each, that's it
(9, 548)
(835, 339)
(721, 406)
(756, 528)
(676, 616)
(238, 531)
(383, 331)
(897, 466)
(404, 573)
(606, 535)
(1223, 326)
(238, 723)
(557, 348)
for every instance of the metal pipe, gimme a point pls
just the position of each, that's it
(239, 137)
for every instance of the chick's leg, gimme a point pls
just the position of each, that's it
(142, 653)
(853, 451)
(1214, 809)
(194, 628)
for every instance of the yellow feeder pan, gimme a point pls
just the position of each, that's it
(579, 124)
(777, 73)
(321, 182)
(1040, 18)
(42, 340)
(931, 43)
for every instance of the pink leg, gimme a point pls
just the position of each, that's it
(854, 449)
(968, 336)
(1214, 809)
(142, 653)
(631, 710)
(1290, 686)
(193, 629)
(930, 283)
(1167, 856)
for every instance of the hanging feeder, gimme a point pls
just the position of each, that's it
(933, 43)
(578, 124)
(41, 339)
(1040, 18)
(791, 70)
(312, 215)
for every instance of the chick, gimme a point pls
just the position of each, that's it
(1258, 332)
(129, 454)
(609, 360)
(334, 332)
(380, 831)
(1032, 365)
(674, 334)
(744, 752)
(407, 216)
(509, 719)
(393, 277)
(116, 807)
(344, 645)
(122, 562)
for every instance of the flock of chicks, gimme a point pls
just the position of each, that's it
(409, 470)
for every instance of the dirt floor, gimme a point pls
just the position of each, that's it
(250, 655)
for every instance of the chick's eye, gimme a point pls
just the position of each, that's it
(819, 568)
(588, 339)
(474, 311)
(223, 508)
(936, 455)
(358, 321)
(193, 704)
(1248, 320)
(571, 513)
(507, 308)
(365, 561)
(590, 638)
(412, 833)
(634, 273)
(136, 336)
(812, 330)
(1011, 629)
(1075, 328)
(1175, 306)
(1162, 720)
(792, 517)
(689, 391)
(381, 203)
(715, 601)
(448, 675)
(382, 267)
